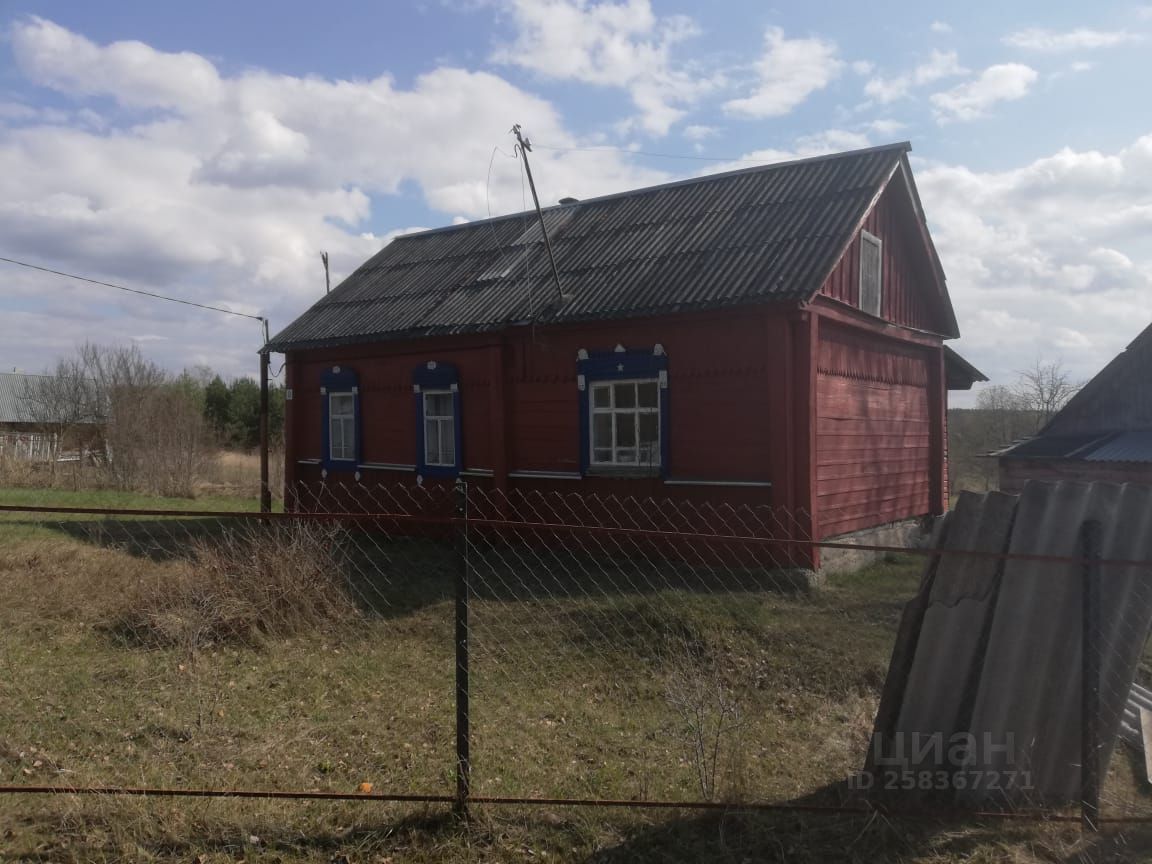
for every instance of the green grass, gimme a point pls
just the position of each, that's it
(574, 692)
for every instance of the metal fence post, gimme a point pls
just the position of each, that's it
(1090, 678)
(463, 759)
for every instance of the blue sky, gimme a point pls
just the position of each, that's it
(212, 149)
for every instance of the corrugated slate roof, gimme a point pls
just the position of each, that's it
(767, 233)
(14, 406)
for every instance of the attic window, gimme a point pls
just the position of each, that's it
(870, 273)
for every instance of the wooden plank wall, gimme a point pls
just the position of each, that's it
(873, 451)
(906, 273)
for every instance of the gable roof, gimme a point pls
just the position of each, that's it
(1108, 420)
(25, 399)
(769, 233)
(14, 403)
(1120, 388)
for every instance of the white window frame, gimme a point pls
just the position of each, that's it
(871, 239)
(440, 421)
(612, 410)
(349, 446)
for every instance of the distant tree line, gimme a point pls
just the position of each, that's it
(1004, 414)
(232, 411)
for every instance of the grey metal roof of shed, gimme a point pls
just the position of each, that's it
(769, 233)
(14, 407)
(1134, 446)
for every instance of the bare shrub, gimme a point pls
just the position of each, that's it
(712, 723)
(243, 586)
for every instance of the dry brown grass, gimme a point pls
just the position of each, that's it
(221, 473)
(233, 472)
(553, 713)
(246, 584)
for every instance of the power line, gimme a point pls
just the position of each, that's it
(131, 290)
(647, 153)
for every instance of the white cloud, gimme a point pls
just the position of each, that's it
(816, 144)
(227, 191)
(1038, 39)
(940, 27)
(885, 127)
(1002, 83)
(697, 132)
(610, 44)
(134, 73)
(863, 67)
(790, 71)
(1028, 280)
(940, 64)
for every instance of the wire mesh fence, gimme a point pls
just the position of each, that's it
(459, 644)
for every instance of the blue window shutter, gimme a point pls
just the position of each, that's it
(340, 379)
(434, 375)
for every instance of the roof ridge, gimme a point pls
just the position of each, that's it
(902, 146)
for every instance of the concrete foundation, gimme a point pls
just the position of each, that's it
(908, 534)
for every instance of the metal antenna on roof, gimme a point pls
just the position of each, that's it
(327, 278)
(525, 148)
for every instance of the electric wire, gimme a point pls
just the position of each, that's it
(131, 290)
(649, 153)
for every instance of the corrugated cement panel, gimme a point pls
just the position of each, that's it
(1030, 689)
(771, 232)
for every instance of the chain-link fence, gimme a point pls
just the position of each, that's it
(460, 645)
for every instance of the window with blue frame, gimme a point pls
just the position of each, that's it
(624, 410)
(341, 427)
(340, 394)
(436, 387)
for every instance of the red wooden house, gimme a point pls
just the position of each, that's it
(771, 335)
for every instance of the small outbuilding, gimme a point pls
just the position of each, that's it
(1103, 433)
(773, 335)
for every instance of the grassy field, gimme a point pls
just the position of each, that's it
(580, 689)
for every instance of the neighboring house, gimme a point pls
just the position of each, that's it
(772, 335)
(1103, 433)
(22, 434)
(34, 429)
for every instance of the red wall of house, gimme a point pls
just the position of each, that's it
(730, 403)
(879, 440)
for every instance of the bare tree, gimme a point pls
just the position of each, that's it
(155, 437)
(62, 404)
(1045, 388)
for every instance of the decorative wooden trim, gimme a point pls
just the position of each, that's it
(545, 475)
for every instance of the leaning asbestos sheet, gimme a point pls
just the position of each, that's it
(983, 699)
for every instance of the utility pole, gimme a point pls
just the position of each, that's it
(265, 488)
(525, 149)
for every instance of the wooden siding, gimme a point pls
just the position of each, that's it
(520, 403)
(908, 284)
(874, 431)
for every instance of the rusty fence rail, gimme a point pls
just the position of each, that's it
(467, 647)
